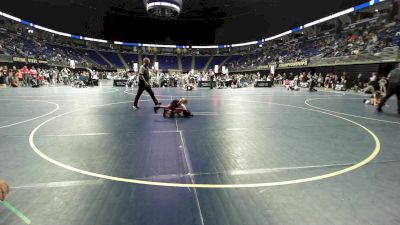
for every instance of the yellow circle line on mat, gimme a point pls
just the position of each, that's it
(374, 153)
(25, 121)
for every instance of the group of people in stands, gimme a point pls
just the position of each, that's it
(311, 81)
(36, 77)
(23, 45)
(332, 81)
(364, 38)
(176, 79)
(369, 38)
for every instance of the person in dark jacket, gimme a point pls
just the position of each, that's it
(393, 89)
(144, 78)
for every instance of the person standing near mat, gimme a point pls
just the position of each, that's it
(212, 76)
(144, 77)
(4, 189)
(393, 88)
(90, 79)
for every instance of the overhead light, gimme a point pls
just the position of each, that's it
(164, 9)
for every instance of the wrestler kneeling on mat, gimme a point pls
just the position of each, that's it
(175, 108)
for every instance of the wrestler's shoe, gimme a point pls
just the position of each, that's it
(156, 108)
(165, 113)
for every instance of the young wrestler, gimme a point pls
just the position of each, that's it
(177, 107)
(4, 189)
(375, 99)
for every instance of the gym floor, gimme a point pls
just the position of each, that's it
(248, 156)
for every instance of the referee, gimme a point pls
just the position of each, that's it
(212, 76)
(393, 89)
(144, 77)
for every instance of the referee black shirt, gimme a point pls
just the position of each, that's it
(144, 70)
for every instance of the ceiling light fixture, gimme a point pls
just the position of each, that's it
(164, 9)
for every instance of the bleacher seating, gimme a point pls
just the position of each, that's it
(130, 59)
(95, 57)
(187, 63)
(232, 60)
(367, 37)
(167, 62)
(113, 58)
(201, 62)
(66, 52)
(217, 60)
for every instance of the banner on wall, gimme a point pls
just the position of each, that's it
(29, 60)
(266, 67)
(294, 64)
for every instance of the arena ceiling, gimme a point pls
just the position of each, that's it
(201, 21)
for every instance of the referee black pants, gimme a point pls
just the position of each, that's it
(390, 92)
(142, 88)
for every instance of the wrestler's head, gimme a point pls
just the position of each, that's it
(184, 101)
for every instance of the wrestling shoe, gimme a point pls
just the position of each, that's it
(165, 113)
(156, 108)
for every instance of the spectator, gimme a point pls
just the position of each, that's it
(382, 85)
(313, 83)
(327, 81)
(2, 81)
(372, 85)
(343, 83)
(5, 73)
(26, 74)
(14, 82)
(320, 80)
(359, 83)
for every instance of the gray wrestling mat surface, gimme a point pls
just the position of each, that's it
(248, 157)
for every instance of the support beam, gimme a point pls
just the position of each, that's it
(208, 63)
(123, 61)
